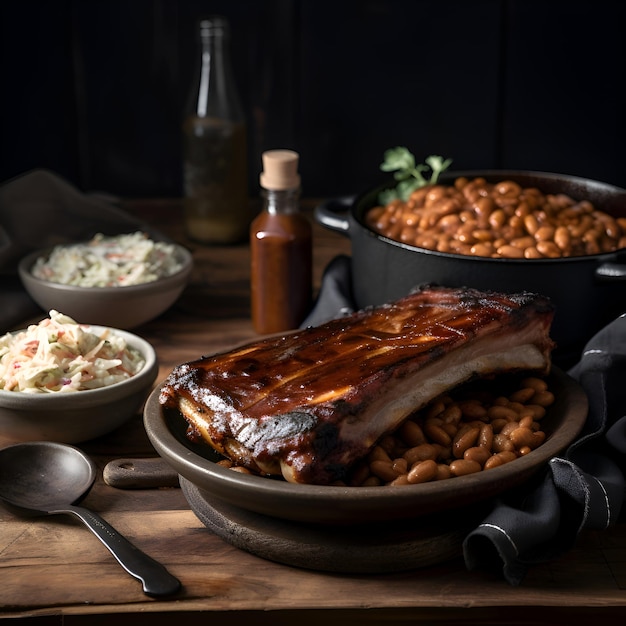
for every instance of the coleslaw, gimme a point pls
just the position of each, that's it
(60, 355)
(117, 261)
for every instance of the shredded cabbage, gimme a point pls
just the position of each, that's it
(60, 355)
(118, 261)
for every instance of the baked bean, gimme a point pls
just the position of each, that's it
(472, 409)
(501, 412)
(434, 430)
(384, 470)
(372, 481)
(387, 443)
(611, 226)
(538, 384)
(518, 407)
(521, 437)
(378, 453)
(532, 253)
(507, 455)
(499, 459)
(479, 454)
(527, 422)
(451, 428)
(523, 395)
(422, 472)
(449, 223)
(508, 428)
(443, 472)
(412, 433)
(435, 408)
(461, 467)
(523, 242)
(452, 414)
(444, 453)
(463, 440)
(407, 235)
(498, 424)
(545, 233)
(484, 235)
(580, 228)
(470, 216)
(402, 479)
(423, 452)
(538, 438)
(501, 443)
(493, 461)
(510, 252)
(401, 466)
(562, 238)
(543, 398)
(485, 438)
(548, 249)
(536, 410)
(497, 219)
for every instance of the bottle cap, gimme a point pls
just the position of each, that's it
(280, 170)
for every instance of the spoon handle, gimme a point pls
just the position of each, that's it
(156, 580)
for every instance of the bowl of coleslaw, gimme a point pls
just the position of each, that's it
(69, 382)
(121, 281)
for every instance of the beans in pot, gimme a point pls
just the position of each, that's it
(498, 220)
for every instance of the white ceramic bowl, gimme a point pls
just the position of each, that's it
(82, 415)
(118, 307)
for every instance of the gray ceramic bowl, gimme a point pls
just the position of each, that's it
(348, 505)
(81, 415)
(118, 307)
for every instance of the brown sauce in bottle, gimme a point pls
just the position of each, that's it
(281, 249)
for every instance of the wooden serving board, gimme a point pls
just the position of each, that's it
(366, 549)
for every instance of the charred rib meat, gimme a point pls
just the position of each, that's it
(307, 405)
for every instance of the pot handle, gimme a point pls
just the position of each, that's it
(334, 214)
(611, 272)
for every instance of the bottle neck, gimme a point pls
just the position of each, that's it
(283, 202)
(215, 94)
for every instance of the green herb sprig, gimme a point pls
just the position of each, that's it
(409, 174)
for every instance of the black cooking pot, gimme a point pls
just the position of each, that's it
(588, 291)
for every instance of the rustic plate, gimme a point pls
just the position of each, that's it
(348, 505)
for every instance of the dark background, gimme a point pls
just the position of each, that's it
(94, 89)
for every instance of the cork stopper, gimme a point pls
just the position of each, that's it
(280, 170)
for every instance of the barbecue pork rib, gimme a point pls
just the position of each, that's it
(307, 405)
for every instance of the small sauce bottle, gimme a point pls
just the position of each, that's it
(281, 248)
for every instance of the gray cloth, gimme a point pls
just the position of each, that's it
(40, 209)
(582, 489)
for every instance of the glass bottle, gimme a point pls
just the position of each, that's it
(217, 207)
(281, 248)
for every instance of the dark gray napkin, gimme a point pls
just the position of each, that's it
(39, 209)
(582, 489)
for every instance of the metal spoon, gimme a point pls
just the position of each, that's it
(45, 478)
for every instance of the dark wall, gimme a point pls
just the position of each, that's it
(94, 89)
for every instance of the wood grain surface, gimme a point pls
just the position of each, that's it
(53, 571)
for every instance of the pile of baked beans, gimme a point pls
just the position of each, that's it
(500, 220)
(476, 428)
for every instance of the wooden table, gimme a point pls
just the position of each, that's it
(53, 571)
